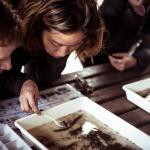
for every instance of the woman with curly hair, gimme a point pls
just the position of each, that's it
(52, 30)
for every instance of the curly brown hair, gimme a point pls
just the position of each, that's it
(10, 25)
(65, 16)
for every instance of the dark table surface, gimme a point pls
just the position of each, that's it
(108, 92)
(107, 83)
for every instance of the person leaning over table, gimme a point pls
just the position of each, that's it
(10, 35)
(52, 30)
(10, 39)
(127, 22)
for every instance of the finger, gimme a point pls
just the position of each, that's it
(37, 97)
(21, 106)
(120, 61)
(35, 108)
(25, 105)
(122, 67)
(116, 61)
(117, 65)
(33, 103)
(112, 59)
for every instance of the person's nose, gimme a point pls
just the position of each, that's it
(63, 51)
(6, 64)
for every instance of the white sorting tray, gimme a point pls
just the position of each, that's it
(100, 113)
(9, 140)
(135, 98)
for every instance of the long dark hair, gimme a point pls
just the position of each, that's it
(66, 16)
(10, 25)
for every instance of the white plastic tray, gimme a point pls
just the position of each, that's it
(9, 140)
(87, 105)
(135, 98)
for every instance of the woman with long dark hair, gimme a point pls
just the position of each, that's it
(52, 30)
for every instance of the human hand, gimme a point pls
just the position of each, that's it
(29, 97)
(122, 61)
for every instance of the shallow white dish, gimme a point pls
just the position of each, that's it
(135, 98)
(10, 140)
(87, 105)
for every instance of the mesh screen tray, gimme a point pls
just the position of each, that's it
(9, 140)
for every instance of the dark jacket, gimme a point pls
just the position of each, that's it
(41, 67)
(124, 27)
